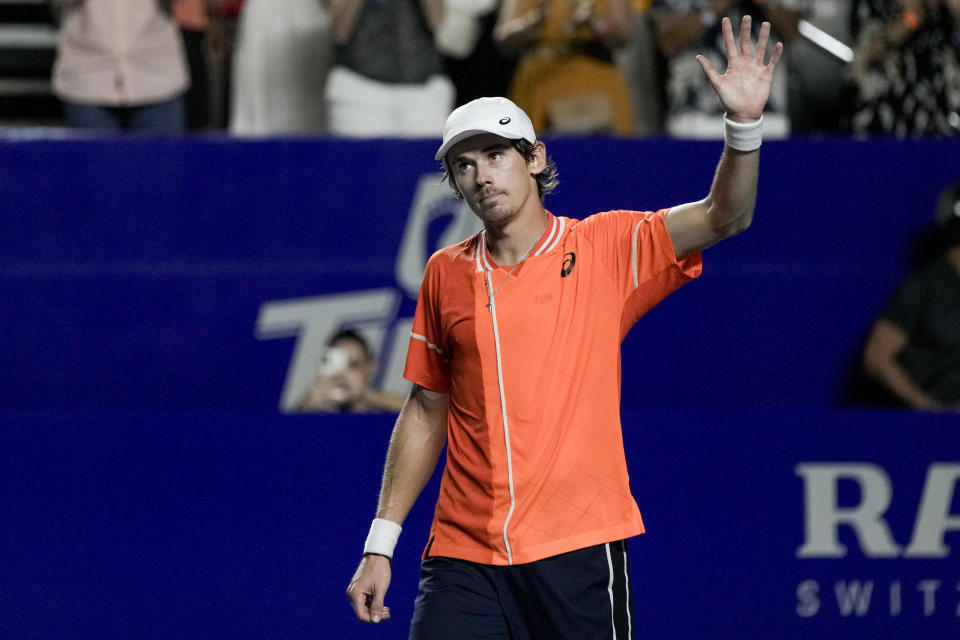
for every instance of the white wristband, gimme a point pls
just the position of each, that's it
(743, 136)
(382, 537)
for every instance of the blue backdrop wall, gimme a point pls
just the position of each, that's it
(250, 525)
(164, 303)
(185, 275)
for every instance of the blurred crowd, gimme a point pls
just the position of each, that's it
(372, 68)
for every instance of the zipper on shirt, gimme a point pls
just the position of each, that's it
(557, 227)
(506, 423)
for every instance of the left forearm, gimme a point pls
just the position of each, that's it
(743, 91)
(727, 209)
(733, 192)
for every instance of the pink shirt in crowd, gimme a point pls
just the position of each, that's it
(118, 53)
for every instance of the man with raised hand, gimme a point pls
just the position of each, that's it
(515, 360)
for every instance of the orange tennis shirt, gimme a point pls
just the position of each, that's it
(535, 462)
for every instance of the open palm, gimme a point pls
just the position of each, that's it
(745, 86)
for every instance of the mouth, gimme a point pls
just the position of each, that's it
(486, 197)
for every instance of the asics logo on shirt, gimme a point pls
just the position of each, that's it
(569, 260)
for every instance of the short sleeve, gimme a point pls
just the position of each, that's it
(428, 358)
(636, 249)
(905, 305)
(655, 269)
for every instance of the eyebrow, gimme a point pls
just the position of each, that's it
(496, 146)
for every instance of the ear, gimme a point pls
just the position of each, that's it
(451, 180)
(539, 162)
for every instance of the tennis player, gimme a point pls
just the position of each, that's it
(515, 361)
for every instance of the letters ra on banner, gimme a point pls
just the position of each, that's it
(889, 594)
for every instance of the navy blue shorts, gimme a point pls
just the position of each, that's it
(581, 595)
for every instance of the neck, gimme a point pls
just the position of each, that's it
(511, 242)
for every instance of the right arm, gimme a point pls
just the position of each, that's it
(886, 342)
(415, 446)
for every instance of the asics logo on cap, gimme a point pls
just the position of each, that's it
(498, 116)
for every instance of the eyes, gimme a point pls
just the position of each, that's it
(495, 156)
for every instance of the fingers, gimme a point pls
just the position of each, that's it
(358, 601)
(368, 608)
(728, 41)
(745, 39)
(777, 53)
(762, 41)
(368, 587)
(708, 69)
(377, 608)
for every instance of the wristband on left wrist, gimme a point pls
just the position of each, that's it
(743, 136)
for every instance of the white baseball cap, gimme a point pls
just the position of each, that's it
(498, 116)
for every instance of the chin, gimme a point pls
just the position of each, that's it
(496, 215)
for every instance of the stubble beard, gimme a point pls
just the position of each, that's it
(497, 213)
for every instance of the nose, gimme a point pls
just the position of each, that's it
(483, 174)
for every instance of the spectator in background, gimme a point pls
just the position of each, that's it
(686, 28)
(913, 350)
(344, 377)
(471, 57)
(906, 72)
(203, 36)
(121, 66)
(284, 50)
(639, 63)
(228, 17)
(566, 79)
(818, 75)
(388, 77)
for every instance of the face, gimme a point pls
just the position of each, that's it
(496, 181)
(346, 366)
